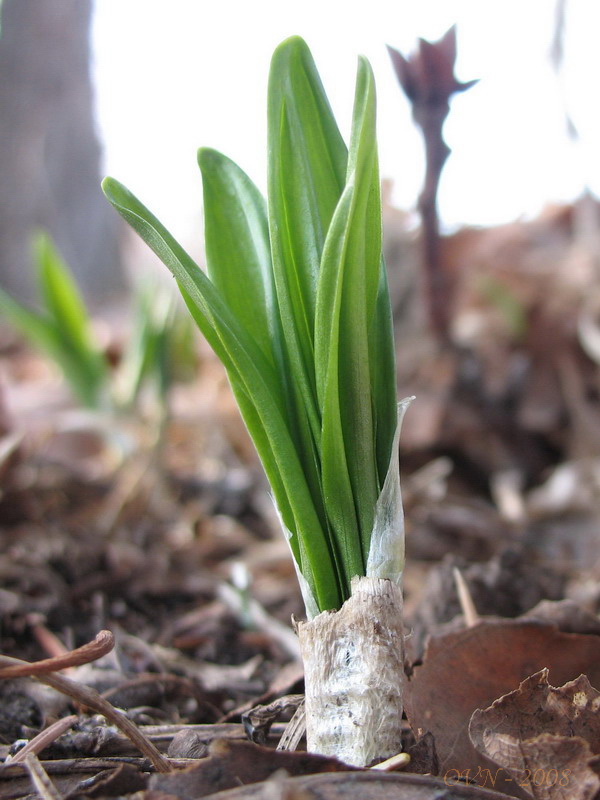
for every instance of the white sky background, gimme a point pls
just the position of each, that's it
(173, 75)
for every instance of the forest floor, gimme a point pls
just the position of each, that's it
(174, 547)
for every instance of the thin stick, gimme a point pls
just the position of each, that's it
(100, 646)
(89, 698)
(40, 780)
(45, 738)
(465, 599)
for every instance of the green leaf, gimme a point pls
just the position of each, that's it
(146, 355)
(251, 374)
(382, 356)
(43, 334)
(34, 327)
(337, 487)
(307, 166)
(306, 169)
(239, 264)
(60, 294)
(298, 311)
(71, 320)
(238, 253)
(258, 433)
(346, 303)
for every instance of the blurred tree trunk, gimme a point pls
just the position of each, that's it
(49, 151)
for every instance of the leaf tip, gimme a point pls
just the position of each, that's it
(294, 42)
(294, 47)
(116, 193)
(205, 156)
(108, 186)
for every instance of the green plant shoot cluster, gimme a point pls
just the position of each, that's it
(63, 331)
(296, 306)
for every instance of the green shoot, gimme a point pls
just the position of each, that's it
(146, 357)
(63, 331)
(159, 340)
(296, 306)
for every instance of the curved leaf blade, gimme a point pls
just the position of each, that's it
(307, 164)
(238, 252)
(250, 371)
(345, 345)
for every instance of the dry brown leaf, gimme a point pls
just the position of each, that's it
(362, 785)
(544, 737)
(464, 671)
(259, 719)
(231, 763)
(124, 779)
(566, 615)
(550, 767)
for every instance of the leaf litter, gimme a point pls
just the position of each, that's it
(545, 737)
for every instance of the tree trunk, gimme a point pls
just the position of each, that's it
(49, 152)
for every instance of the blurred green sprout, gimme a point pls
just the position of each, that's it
(63, 331)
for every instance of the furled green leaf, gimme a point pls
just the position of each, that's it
(306, 170)
(337, 487)
(60, 294)
(346, 303)
(382, 357)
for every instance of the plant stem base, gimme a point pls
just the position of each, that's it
(353, 666)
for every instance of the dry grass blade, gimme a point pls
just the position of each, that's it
(282, 634)
(40, 780)
(466, 600)
(45, 738)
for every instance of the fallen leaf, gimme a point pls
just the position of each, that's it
(464, 671)
(231, 763)
(566, 615)
(505, 586)
(423, 758)
(125, 779)
(544, 737)
(361, 785)
(258, 720)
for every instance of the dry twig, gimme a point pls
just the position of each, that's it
(85, 695)
(92, 651)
